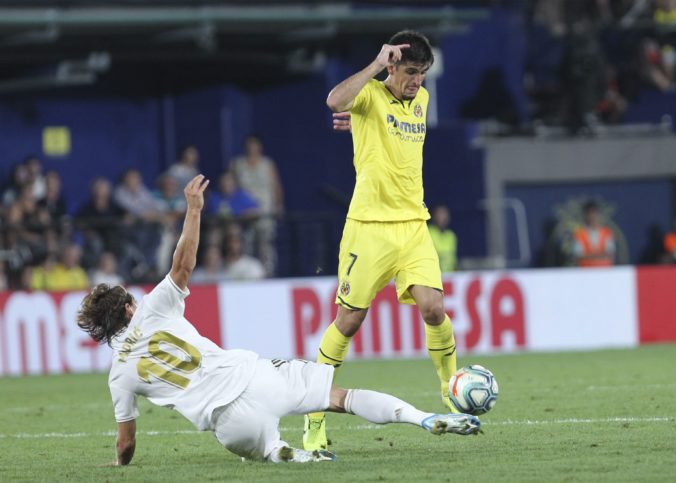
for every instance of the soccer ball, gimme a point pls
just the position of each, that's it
(473, 389)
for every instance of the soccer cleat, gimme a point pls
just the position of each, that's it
(295, 455)
(314, 433)
(463, 424)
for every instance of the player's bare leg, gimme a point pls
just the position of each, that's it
(332, 350)
(439, 336)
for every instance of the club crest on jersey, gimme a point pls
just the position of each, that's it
(417, 110)
(344, 289)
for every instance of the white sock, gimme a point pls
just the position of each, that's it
(380, 408)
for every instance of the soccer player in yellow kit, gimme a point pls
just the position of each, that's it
(385, 234)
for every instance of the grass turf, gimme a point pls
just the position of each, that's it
(587, 416)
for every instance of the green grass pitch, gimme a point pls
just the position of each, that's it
(587, 416)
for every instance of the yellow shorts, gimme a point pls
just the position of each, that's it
(373, 253)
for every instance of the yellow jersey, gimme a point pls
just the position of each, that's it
(388, 137)
(446, 244)
(59, 278)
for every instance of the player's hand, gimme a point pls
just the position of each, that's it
(342, 121)
(390, 54)
(194, 191)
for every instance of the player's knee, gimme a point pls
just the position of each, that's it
(433, 312)
(337, 399)
(348, 322)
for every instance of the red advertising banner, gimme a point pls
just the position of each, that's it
(492, 311)
(656, 291)
(39, 332)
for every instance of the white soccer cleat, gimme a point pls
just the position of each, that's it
(463, 424)
(295, 455)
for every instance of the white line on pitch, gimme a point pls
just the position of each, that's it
(360, 427)
(624, 387)
(528, 422)
(53, 407)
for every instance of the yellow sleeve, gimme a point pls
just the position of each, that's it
(83, 280)
(363, 100)
(37, 278)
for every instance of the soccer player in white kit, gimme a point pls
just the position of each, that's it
(236, 394)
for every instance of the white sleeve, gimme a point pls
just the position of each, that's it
(124, 404)
(166, 299)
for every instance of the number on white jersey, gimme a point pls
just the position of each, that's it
(165, 365)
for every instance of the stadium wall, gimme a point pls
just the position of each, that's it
(493, 312)
(544, 174)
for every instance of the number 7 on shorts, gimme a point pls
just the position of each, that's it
(354, 259)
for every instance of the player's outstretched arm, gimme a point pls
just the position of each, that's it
(342, 96)
(185, 256)
(126, 442)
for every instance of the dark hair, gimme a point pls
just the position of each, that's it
(102, 313)
(420, 50)
(253, 137)
(590, 205)
(185, 148)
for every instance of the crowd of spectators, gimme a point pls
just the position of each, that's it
(589, 59)
(126, 231)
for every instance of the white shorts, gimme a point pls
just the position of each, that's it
(249, 425)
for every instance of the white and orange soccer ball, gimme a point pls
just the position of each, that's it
(473, 390)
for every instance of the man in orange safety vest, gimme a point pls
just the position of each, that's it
(594, 242)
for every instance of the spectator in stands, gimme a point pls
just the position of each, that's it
(27, 224)
(258, 175)
(101, 221)
(230, 200)
(584, 77)
(549, 13)
(67, 274)
(594, 242)
(36, 178)
(670, 243)
(26, 173)
(147, 216)
(659, 62)
(106, 271)
(172, 203)
(239, 266)
(53, 201)
(185, 168)
(613, 105)
(444, 239)
(665, 12)
(19, 178)
(136, 199)
(169, 197)
(25, 279)
(212, 269)
(40, 275)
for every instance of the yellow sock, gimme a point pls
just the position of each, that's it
(441, 348)
(332, 350)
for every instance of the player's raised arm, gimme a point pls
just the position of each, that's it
(185, 256)
(342, 96)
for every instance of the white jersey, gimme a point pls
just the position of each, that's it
(161, 356)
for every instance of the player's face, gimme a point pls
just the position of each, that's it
(592, 218)
(129, 307)
(406, 78)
